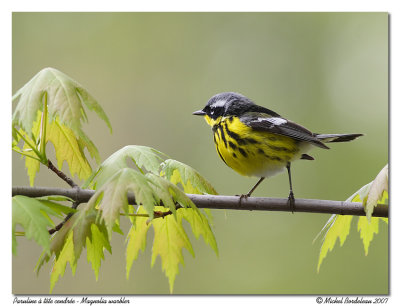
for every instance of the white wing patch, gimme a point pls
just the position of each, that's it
(273, 120)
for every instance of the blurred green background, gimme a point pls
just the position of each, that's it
(150, 71)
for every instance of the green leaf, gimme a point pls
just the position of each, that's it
(65, 98)
(80, 231)
(92, 104)
(79, 223)
(111, 198)
(200, 226)
(34, 217)
(189, 178)
(136, 239)
(55, 198)
(142, 157)
(378, 192)
(169, 193)
(85, 142)
(58, 209)
(61, 101)
(95, 246)
(169, 240)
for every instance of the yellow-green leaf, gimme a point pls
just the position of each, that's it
(95, 246)
(189, 178)
(81, 230)
(61, 101)
(169, 240)
(200, 226)
(339, 228)
(60, 263)
(136, 239)
(79, 223)
(367, 230)
(67, 149)
(32, 165)
(169, 193)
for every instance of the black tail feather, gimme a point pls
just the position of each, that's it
(337, 137)
(306, 156)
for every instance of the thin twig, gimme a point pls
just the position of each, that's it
(76, 190)
(60, 225)
(62, 175)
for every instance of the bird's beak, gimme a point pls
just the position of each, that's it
(199, 113)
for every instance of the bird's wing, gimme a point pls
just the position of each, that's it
(280, 126)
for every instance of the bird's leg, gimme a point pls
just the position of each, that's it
(251, 191)
(291, 195)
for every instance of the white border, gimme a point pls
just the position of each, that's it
(206, 5)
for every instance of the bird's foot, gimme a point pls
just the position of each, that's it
(241, 197)
(291, 202)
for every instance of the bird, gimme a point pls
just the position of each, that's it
(257, 142)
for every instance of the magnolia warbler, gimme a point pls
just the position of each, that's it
(255, 141)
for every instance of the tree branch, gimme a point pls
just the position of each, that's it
(226, 202)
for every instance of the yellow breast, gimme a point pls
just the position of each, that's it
(251, 152)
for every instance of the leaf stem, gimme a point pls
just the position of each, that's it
(134, 215)
(157, 214)
(43, 128)
(43, 161)
(27, 155)
(140, 169)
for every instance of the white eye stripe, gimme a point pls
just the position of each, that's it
(218, 103)
(273, 120)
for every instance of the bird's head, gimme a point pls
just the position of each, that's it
(223, 105)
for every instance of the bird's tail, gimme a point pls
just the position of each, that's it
(337, 137)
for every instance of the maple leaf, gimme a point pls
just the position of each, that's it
(68, 149)
(80, 231)
(51, 108)
(65, 99)
(111, 198)
(141, 156)
(66, 254)
(189, 178)
(95, 246)
(338, 226)
(136, 239)
(200, 226)
(34, 217)
(169, 194)
(169, 240)
(367, 229)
